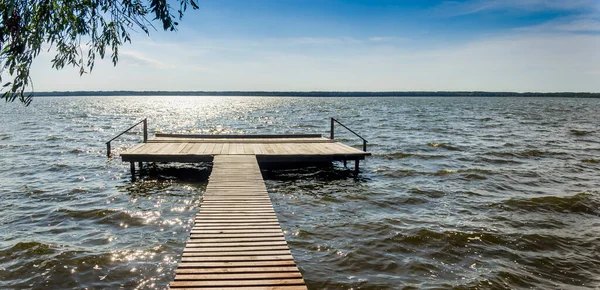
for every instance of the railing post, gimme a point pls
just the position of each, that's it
(331, 133)
(108, 149)
(146, 130)
(364, 145)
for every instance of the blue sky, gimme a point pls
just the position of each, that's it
(359, 45)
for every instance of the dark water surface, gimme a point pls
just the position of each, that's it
(460, 193)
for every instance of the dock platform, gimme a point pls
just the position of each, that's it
(237, 242)
(267, 148)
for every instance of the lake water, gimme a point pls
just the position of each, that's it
(460, 193)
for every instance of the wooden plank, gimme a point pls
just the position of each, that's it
(233, 221)
(252, 136)
(227, 201)
(194, 149)
(234, 231)
(235, 226)
(176, 150)
(187, 148)
(257, 206)
(237, 244)
(238, 283)
(236, 199)
(237, 258)
(248, 149)
(209, 148)
(287, 287)
(236, 264)
(235, 235)
(238, 276)
(242, 209)
(238, 208)
(158, 147)
(208, 213)
(236, 240)
(237, 270)
(202, 223)
(201, 149)
(239, 148)
(235, 249)
(224, 210)
(147, 147)
(236, 216)
(264, 252)
(217, 149)
(137, 148)
(256, 148)
(225, 148)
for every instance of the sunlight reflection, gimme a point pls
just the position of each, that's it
(131, 255)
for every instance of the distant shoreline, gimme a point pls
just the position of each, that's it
(319, 94)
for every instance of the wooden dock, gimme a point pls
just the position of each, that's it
(266, 148)
(237, 242)
(274, 148)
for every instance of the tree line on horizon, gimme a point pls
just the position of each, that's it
(322, 94)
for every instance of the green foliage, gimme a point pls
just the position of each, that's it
(79, 30)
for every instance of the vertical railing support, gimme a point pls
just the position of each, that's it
(364, 144)
(333, 121)
(146, 130)
(145, 125)
(331, 133)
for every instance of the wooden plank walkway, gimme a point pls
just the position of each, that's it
(237, 242)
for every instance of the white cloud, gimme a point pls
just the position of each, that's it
(133, 57)
(580, 24)
(315, 40)
(384, 38)
(453, 8)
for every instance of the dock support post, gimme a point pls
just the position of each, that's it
(132, 166)
(331, 132)
(140, 165)
(345, 163)
(108, 149)
(356, 166)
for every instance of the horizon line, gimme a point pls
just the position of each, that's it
(312, 91)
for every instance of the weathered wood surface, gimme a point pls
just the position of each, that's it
(216, 148)
(240, 140)
(179, 149)
(212, 136)
(237, 242)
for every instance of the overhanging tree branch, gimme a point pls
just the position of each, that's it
(102, 24)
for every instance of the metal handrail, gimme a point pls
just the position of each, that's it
(333, 121)
(145, 121)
